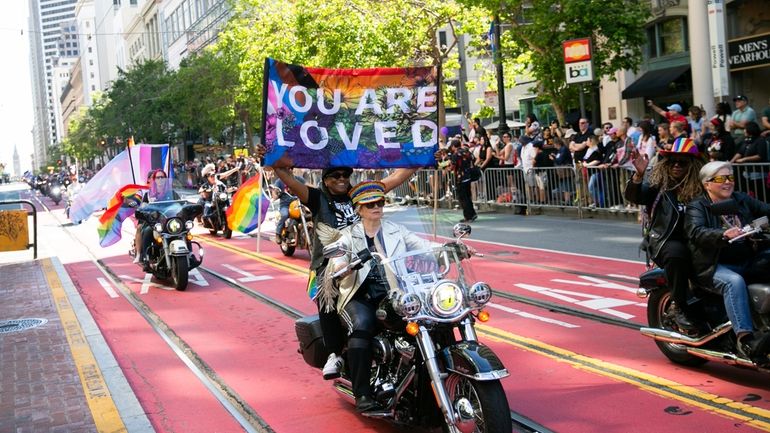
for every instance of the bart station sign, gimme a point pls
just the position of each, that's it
(577, 60)
(749, 52)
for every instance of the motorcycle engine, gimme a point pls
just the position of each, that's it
(382, 350)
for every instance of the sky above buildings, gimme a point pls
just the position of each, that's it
(15, 88)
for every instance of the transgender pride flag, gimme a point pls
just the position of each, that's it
(244, 214)
(129, 167)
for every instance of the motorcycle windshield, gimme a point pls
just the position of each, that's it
(436, 276)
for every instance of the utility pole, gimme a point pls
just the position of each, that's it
(503, 125)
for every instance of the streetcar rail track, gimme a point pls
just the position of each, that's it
(235, 405)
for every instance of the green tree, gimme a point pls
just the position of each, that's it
(337, 34)
(136, 105)
(536, 29)
(201, 95)
(82, 139)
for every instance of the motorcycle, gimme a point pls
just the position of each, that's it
(170, 256)
(424, 372)
(297, 230)
(217, 220)
(55, 192)
(714, 340)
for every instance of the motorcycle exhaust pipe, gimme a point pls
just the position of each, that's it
(677, 338)
(723, 357)
(345, 387)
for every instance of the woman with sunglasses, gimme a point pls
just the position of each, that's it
(160, 189)
(673, 182)
(360, 293)
(331, 205)
(717, 262)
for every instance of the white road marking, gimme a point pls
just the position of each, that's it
(586, 300)
(196, 278)
(247, 276)
(626, 277)
(107, 287)
(146, 283)
(532, 316)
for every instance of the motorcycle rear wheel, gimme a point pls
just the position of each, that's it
(493, 415)
(179, 272)
(657, 305)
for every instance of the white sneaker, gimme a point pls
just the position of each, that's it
(333, 367)
(137, 259)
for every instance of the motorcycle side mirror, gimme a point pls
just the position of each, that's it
(334, 250)
(725, 207)
(461, 230)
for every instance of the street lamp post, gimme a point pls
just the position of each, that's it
(503, 125)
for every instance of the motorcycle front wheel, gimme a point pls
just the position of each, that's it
(489, 402)
(179, 272)
(657, 305)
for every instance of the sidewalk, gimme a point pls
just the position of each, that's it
(57, 373)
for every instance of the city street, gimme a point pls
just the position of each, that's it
(222, 355)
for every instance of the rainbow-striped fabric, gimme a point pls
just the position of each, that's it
(243, 215)
(122, 205)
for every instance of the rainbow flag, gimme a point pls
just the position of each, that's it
(117, 211)
(243, 214)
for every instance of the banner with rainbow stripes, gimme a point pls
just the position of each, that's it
(122, 205)
(244, 214)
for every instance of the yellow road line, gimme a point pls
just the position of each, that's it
(294, 269)
(752, 415)
(105, 414)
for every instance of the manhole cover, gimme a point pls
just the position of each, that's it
(8, 326)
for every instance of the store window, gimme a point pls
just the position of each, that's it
(667, 37)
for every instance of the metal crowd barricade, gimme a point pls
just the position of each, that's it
(753, 179)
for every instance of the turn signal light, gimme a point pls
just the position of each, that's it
(483, 316)
(412, 328)
(189, 236)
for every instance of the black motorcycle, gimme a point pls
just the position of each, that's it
(217, 219)
(170, 256)
(429, 367)
(298, 229)
(55, 192)
(715, 339)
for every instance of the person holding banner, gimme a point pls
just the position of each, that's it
(331, 205)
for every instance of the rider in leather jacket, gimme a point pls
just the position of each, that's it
(360, 292)
(718, 263)
(673, 182)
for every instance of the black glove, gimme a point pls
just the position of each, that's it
(364, 255)
(460, 249)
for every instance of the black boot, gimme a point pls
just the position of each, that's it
(681, 319)
(359, 365)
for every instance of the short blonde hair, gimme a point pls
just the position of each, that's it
(712, 168)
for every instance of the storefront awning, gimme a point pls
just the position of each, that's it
(654, 83)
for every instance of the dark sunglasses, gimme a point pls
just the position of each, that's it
(374, 204)
(160, 177)
(679, 161)
(722, 179)
(338, 175)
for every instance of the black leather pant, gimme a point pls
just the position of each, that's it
(674, 258)
(466, 199)
(359, 316)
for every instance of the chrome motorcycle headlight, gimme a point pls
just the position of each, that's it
(446, 299)
(223, 196)
(158, 227)
(407, 304)
(188, 224)
(174, 225)
(56, 190)
(480, 293)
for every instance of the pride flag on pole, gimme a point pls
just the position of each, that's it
(122, 205)
(246, 212)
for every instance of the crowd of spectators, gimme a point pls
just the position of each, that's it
(579, 156)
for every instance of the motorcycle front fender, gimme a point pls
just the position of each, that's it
(473, 360)
(178, 247)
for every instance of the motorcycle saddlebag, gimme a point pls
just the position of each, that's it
(311, 342)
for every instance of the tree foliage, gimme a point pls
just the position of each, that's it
(534, 31)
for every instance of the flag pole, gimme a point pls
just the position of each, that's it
(435, 180)
(261, 174)
(130, 160)
(262, 139)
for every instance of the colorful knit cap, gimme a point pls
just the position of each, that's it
(682, 146)
(367, 192)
